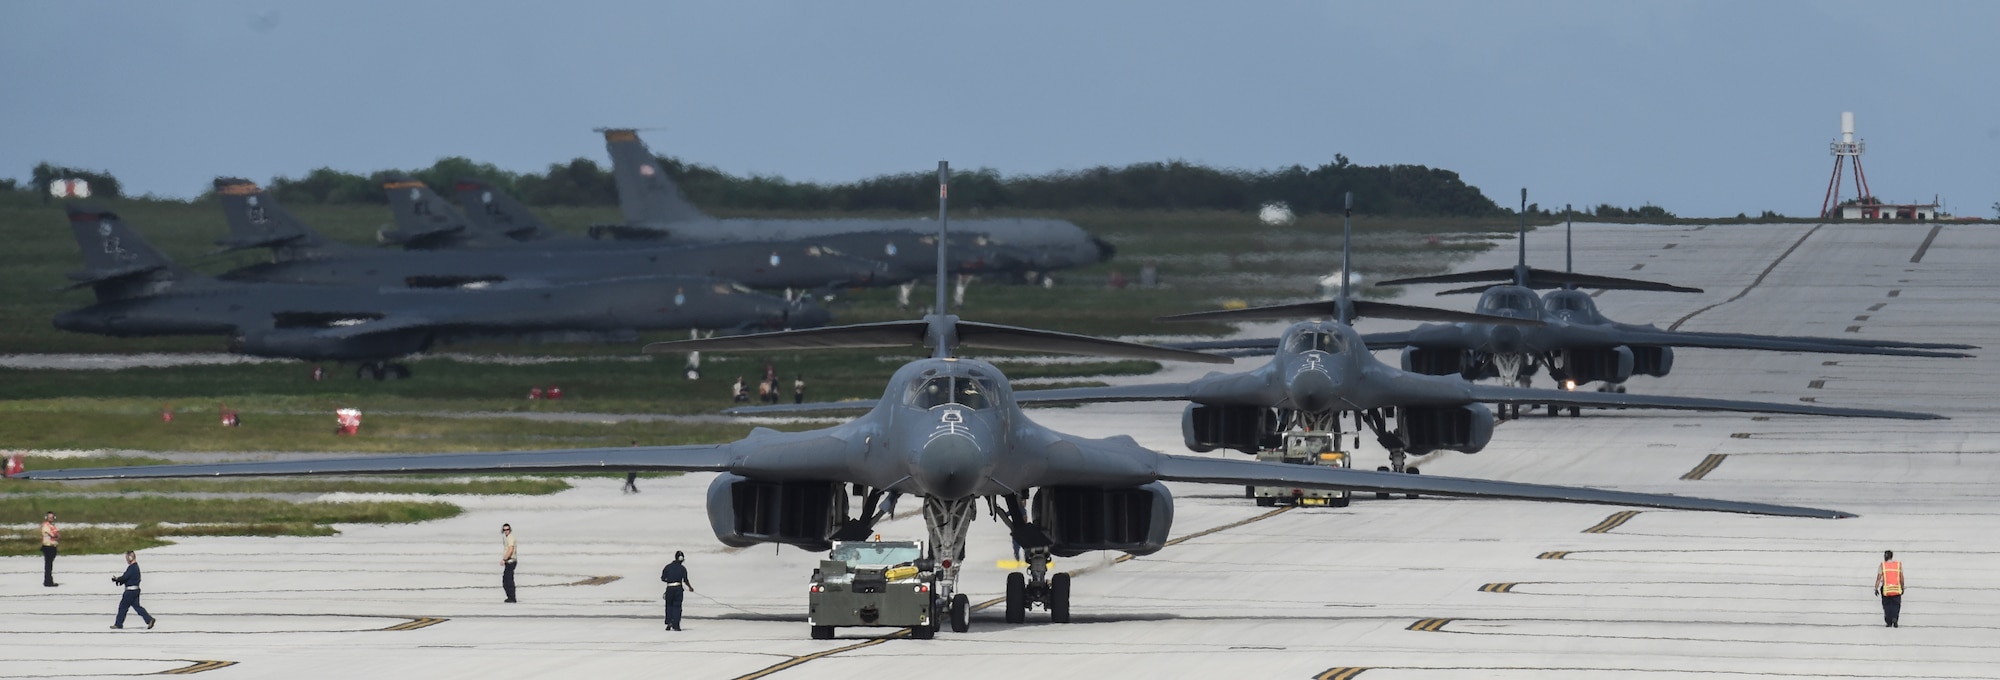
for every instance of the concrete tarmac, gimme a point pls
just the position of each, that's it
(1427, 588)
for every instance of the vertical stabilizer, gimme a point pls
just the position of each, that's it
(256, 220)
(117, 262)
(423, 219)
(492, 211)
(645, 194)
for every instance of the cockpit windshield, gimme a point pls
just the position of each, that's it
(1507, 302)
(1569, 303)
(877, 553)
(1318, 340)
(937, 391)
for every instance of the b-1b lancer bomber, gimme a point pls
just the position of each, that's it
(300, 255)
(1322, 371)
(655, 208)
(1577, 343)
(946, 429)
(142, 293)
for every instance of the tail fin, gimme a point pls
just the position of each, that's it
(645, 194)
(491, 210)
(423, 218)
(257, 221)
(117, 262)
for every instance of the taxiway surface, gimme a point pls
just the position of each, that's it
(1428, 588)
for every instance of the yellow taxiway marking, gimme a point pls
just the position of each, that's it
(1429, 625)
(198, 667)
(1553, 555)
(1344, 673)
(794, 661)
(419, 622)
(1707, 465)
(596, 580)
(1498, 587)
(1616, 520)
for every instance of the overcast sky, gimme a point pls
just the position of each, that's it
(1705, 108)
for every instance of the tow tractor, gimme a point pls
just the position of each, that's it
(1304, 447)
(879, 583)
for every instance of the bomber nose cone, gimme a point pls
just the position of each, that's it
(1311, 390)
(949, 467)
(1505, 339)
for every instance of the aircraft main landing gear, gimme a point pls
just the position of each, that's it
(382, 370)
(1038, 587)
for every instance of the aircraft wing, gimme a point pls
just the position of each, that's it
(1495, 394)
(1428, 336)
(913, 333)
(1266, 345)
(1097, 395)
(696, 458)
(791, 409)
(1754, 342)
(1851, 342)
(1260, 473)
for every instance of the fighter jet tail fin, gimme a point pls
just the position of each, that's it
(491, 210)
(118, 263)
(1330, 309)
(256, 220)
(423, 219)
(645, 194)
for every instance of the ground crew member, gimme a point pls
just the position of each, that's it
(130, 600)
(736, 392)
(507, 560)
(676, 578)
(799, 389)
(1889, 584)
(50, 537)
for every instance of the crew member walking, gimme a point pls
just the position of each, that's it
(50, 537)
(507, 560)
(1889, 584)
(799, 389)
(676, 578)
(130, 600)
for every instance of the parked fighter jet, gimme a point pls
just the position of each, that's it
(1579, 345)
(946, 429)
(1322, 371)
(655, 209)
(299, 255)
(140, 293)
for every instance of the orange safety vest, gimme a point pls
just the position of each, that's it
(1892, 578)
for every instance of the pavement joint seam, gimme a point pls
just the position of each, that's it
(1753, 284)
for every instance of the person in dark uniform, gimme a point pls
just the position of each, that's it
(507, 560)
(130, 580)
(676, 578)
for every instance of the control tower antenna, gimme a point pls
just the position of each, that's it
(1847, 147)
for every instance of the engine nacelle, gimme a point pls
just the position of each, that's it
(301, 343)
(1081, 519)
(1243, 428)
(1653, 361)
(1434, 361)
(1609, 364)
(745, 512)
(1465, 429)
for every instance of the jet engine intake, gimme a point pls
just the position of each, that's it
(745, 512)
(1608, 364)
(1465, 429)
(1434, 361)
(1651, 360)
(1243, 428)
(1081, 519)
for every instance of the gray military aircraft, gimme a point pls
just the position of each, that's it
(655, 208)
(300, 255)
(142, 293)
(1578, 344)
(1322, 370)
(946, 429)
